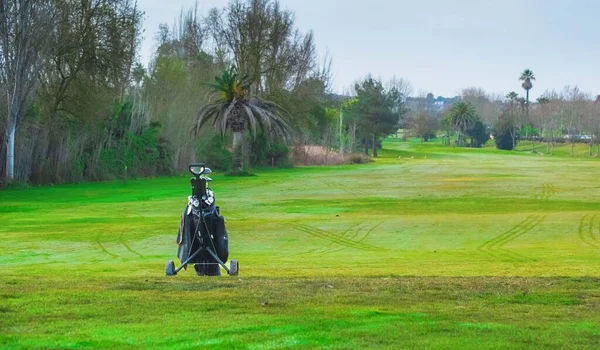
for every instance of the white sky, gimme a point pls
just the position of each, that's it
(440, 46)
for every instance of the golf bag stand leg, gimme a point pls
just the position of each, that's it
(171, 271)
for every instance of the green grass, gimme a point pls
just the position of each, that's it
(429, 246)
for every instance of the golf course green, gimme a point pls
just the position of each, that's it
(427, 246)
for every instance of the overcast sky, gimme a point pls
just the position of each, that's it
(440, 46)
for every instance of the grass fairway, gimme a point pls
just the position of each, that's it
(427, 247)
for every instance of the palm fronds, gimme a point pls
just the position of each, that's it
(462, 116)
(230, 85)
(527, 77)
(235, 110)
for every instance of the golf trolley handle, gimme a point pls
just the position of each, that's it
(197, 165)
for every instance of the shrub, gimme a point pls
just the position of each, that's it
(259, 149)
(15, 185)
(279, 155)
(144, 154)
(269, 153)
(479, 134)
(502, 135)
(215, 152)
(358, 158)
(239, 173)
(316, 155)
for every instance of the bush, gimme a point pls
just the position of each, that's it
(279, 155)
(269, 153)
(14, 185)
(479, 134)
(423, 126)
(432, 135)
(502, 135)
(215, 152)
(358, 158)
(134, 155)
(259, 148)
(316, 155)
(239, 173)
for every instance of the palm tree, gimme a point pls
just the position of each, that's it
(527, 77)
(462, 116)
(543, 100)
(235, 110)
(512, 96)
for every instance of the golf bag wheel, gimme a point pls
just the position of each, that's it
(171, 268)
(234, 268)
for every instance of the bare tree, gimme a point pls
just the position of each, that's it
(594, 124)
(572, 113)
(24, 25)
(423, 126)
(259, 37)
(487, 108)
(402, 85)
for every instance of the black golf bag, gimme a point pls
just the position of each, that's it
(202, 230)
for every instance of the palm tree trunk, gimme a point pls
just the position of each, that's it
(238, 151)
(527, 110)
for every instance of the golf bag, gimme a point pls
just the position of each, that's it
(202, 228)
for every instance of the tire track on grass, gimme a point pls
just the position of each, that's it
(545, 192)
(593, 237)
(535, 222)
(330, 245)
(494, 246)
(124, 242)
(586, 231)
(103, 248)
(352, 235)
(369, 232)
(485, 245)
(357, 232)
(337, 186)
(331, 237)
(122, 239)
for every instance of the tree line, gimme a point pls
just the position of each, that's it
(567, 116)
(76, 104)
(65, 70)
(238, 87)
